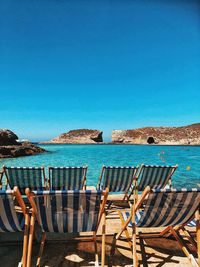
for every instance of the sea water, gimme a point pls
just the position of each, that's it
(187, 158)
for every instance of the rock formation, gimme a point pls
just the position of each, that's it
(185, 135)
(10, 147)
(80, 136)
(7, 137)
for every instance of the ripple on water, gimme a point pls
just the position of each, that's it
(187, 174)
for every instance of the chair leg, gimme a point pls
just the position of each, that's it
(30, 241)
(135, 258)
(41, 249)
(25, 241)
(190, 238)
(184, 249)
(167, 233)
(103, 239)
(136, 196)
(197, 216)
(96, 250)
(126, 231)
(126, 196)
(133, 243)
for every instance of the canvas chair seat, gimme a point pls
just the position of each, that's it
(117, 179)
(138, 215)
(154, 176)
(25, 177)
(67, 211)
(67, 178)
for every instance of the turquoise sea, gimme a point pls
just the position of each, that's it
(187, 157)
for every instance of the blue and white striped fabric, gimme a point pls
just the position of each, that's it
(127, 214)
(25, 177)
(156, 177)
(138, 215)
(10, 220)
(192, 223)
(118, 179)
(67, 178)
(168, 207)
(68, 211)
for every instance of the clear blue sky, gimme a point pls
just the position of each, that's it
(98, 64)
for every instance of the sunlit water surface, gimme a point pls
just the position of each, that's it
(188, 159)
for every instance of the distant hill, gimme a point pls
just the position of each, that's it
(79, 136)
(185, 135)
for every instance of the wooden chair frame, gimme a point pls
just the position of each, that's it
(84, 178)
(171, 230)
(34, 216)
(16, 193)
(1, 177)
(197, 216)
(134, 190)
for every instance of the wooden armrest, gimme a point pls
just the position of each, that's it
(142, 198)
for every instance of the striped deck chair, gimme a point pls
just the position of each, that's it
(117, 179)
(169, 208)
(14, 217)
(25, 177)
(67, 178)
(156, 177)
(67, 212)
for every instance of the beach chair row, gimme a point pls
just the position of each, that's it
(81, 211)
(117, 179)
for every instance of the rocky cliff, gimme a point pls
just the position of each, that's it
(10, 147)
(80, 136)
(185, 135)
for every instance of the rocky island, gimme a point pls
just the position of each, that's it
(185, 135)
(79, 136)
(10, 147)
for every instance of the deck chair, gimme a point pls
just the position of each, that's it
(117, 179)
(67, 212)
(67, 178)
(14, 217)
(156, 177)
(25, 177)
(169, 208)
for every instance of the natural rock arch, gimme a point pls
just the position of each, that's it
(150, 140)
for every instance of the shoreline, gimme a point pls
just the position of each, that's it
(110, 143)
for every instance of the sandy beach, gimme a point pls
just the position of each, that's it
(151, 251)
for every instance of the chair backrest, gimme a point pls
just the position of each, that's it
(10, 219)
(67, 211)
(25, 177)
(67, 178)
(156, 177)
(169, 207)
(117, 179)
